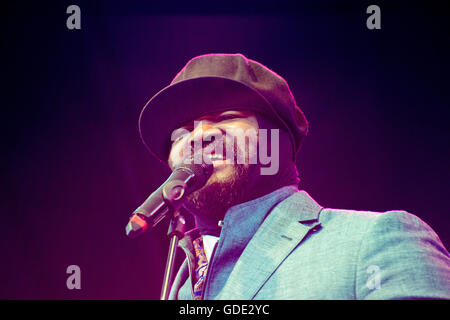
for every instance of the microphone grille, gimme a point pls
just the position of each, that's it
(202, 172)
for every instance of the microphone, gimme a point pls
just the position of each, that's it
(168, 197)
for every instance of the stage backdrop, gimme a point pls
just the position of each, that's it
(73, 166)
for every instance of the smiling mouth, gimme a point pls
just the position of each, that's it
(215, 157)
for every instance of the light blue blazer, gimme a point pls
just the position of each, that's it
(303, 251)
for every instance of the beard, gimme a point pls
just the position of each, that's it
(226, 187)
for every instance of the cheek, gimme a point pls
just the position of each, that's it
(252, 145)
(223, 174)
(176, 155)
(247, 145)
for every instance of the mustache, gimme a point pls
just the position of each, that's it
(225, 147)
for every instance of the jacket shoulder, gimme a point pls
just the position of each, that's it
(399, 255)
(377, 222)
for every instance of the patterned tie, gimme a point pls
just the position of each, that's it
(201, 268)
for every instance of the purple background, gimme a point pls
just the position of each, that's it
(74, 169)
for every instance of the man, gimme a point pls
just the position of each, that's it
(257, 235)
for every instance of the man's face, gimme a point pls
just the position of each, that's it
(229, 141)
(213, 136)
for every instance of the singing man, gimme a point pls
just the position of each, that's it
(257, 235)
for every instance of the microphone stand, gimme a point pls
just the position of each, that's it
(175, 233)
(164, 202)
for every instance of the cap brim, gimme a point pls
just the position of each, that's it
(184, 101)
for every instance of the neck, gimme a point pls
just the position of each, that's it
(263, 185)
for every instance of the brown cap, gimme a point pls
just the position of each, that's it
(218, 82)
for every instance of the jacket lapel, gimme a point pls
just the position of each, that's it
(281, 232)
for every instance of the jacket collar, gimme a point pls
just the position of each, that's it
(281, 232)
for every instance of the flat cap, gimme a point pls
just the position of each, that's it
(218, 82)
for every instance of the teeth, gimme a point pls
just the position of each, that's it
(215, 157)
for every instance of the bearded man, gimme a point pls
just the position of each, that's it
(257, 235)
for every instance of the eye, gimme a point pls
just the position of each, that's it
(180, 135)
(178, 139)
(228, 116)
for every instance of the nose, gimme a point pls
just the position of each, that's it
(203, 134)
